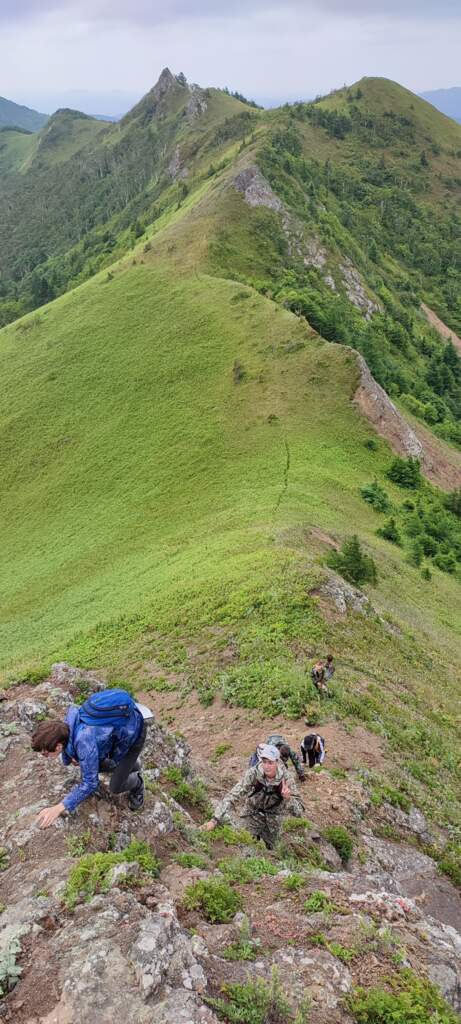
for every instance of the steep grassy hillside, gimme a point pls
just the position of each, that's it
(180, 450)
(17, 116)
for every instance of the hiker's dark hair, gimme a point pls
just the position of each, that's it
(284, 750)
(47, 735)
(329, 657)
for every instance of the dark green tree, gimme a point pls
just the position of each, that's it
(352, 563)
(390, 531)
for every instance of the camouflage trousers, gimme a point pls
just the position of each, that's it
(262, 826)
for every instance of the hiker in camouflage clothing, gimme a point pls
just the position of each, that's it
(266, 792)
(286, 753)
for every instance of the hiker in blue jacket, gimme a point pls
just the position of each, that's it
(105, 734)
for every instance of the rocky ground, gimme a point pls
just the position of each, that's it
(136, 950)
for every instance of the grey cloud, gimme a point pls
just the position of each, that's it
(149, 12)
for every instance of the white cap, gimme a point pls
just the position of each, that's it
(267, 751)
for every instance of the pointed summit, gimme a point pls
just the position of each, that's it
(165, 97)
(166, 81)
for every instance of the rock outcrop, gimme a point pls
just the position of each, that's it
(134, 950)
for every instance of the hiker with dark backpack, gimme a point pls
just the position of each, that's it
(105, 734)
(313, 749)
(265, 791)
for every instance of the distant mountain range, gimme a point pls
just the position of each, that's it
(12, 115)
(446, 100)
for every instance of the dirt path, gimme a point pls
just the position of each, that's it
(207, 728)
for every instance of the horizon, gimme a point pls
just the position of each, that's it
(271, 52)
(116, 103)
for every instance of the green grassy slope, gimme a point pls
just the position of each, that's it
(168, 442)
(171, 437)
(16, 115)
(15, 147)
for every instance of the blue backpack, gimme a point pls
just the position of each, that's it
(109, 708)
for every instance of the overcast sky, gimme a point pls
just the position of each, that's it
(102, 55)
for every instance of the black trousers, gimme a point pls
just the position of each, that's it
(124, 777)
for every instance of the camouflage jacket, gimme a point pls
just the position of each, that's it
(260, 795)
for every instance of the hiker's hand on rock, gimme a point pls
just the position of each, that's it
(285, 790)
(49, 815)
(209, 825)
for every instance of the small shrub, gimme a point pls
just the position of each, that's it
(294, 882)
(90, 874)
(218, 752)
(371, 444)
(450, 862)
(244, 947)
(408, 1000)
(352, 563)
(215, 898)
(341, 840)
(343, 953)
(296, 824)
(193, 793)
(231, 836)
(191, 860)
(246, 869)
(405, 472)
(390, 531)
(445, 562)
(77, 845)
(4, 860)
(376, 496)
(257, 1002)
(318, 901)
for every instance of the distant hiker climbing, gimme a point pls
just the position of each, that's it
(265, 791)
(321, 673)
(286, 754)
(105, 734)
(329, 668)
(313, 749)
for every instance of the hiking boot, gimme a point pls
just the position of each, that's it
(136, 797)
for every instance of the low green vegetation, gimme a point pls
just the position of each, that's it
(193, 793)
(191, 860)
(91, 874)
(342, 841)
(219, 751)
(294, 881)
(78, 844)
(214, 898)
(319, 901)
(230, 836)
(4, 859)
(406, 1000)
(244, 947)
(257, 1002)
(246, 869)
